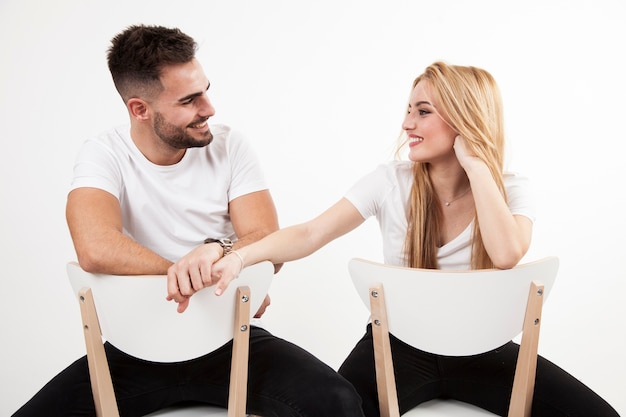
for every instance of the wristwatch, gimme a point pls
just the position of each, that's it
(226, 244)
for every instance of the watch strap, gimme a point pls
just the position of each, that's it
(226, 244)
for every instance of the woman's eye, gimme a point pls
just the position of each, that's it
(420, 112)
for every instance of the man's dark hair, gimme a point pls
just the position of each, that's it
(138, 54)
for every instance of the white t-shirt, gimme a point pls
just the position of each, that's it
(171, 209)
(385, 192)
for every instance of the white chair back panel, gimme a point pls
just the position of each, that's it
(136, 318)
(451, 306)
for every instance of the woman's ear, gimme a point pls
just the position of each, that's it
(138, 109)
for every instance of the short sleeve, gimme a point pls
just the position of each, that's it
(520, 196)
(96, 167)
(247, 175)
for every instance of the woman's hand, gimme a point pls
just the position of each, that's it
(463, 153)
(225, 270)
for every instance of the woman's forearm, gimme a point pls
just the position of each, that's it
(301, 240)
(506, 238)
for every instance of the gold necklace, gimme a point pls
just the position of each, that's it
(448, 202)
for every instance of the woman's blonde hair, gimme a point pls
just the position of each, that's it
(468, 99)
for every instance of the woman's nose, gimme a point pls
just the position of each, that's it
(408, 123)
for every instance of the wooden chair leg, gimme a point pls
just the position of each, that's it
(525, 371)
(239, 363)
(101, 384)
(385, 379)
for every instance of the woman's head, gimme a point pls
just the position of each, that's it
(468, 100)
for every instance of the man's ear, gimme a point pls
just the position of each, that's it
(138, 109)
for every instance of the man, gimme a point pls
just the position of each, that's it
(166, 195)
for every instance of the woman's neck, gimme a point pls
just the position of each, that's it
(449, 181)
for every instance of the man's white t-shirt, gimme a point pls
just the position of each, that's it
(385, 193)
(171, 209)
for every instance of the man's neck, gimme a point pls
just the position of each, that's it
(153, 148)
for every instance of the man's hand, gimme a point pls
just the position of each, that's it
(266, 302)
(191, 273)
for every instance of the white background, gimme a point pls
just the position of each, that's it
(320, 88)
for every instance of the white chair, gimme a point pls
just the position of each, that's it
(455, 313)
(131, 313)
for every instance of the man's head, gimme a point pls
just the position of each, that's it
(164, 88)
(138, 55)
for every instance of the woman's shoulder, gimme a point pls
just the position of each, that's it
(386, 178)
(515, 179)
(396, 169)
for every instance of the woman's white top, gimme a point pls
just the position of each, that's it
(385, 192)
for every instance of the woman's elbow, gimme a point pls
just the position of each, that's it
(508, 259)
(504, 265)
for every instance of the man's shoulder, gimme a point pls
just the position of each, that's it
(112, 137)
(221, 131)
(226, 140)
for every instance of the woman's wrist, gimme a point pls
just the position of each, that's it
(238, 255)
(476, 166)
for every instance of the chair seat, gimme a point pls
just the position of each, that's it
(196, 410)
(440, 408)
(433, 408)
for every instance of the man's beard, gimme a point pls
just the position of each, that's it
(176, 137)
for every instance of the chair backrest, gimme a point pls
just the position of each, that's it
(454, 313)
(136, 318)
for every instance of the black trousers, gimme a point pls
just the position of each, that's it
(284, 380)
(484, 380)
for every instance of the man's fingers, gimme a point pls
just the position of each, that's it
(173, 292)
(205, 271)
(182, 306)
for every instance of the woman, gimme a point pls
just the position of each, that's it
(450, 206)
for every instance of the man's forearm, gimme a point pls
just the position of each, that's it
(121, 256)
